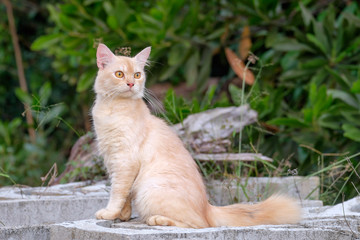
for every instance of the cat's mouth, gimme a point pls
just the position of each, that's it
(129, 91)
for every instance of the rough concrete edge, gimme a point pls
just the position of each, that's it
(37, 232)
(87, 229)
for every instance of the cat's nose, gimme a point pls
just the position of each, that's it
(130, 84)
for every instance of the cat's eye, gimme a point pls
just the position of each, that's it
(137, 75)
(119, 74)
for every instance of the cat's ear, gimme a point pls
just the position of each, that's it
(104, 56)
(143, 56)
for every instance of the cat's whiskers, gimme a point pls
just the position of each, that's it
(111, 95)
(154, 102)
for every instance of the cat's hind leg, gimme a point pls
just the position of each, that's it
(158, 220)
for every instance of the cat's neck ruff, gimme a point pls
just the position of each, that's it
(119, 106)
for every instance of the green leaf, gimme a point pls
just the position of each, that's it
(108, 7)
(329, 21)
(351, 132)
(322, 37)
(65, 22)
(46, 41)
(23, 96)
(86, 80)
(205, 69)
(290, 122)
(329, 121)
(306, 14)
(308, 115)
(45, 92)
(316, 42)
(235, 94)
(340, 78)
(356, 87)
(349, 50)
(123, 12)
(289, 60)
(51, 114)
(71, 42)
(14, 124)
(352, 18)
(112, 22)
(322, 101)
(314, 63)
(149, 20)
(168, 72)
(319, 76)
(177, 54)
(191, 68)
(313, 93)
(291, 45)
(296, 73)
(4, 133)
(344, 96)
(215, 34)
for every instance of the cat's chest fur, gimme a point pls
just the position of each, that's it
(118, 124)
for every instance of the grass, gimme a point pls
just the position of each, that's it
(7, 176)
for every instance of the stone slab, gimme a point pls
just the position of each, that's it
(47, 205)
(34, 212)
(92, 229)
(25, 233)
(27, 206)
(67, 212)
(341, 221)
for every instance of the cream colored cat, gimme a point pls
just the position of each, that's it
(149, 165)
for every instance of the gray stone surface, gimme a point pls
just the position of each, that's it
(318, 223)
(25, 233)
(76, 201)
(42, 205)
(46, 214)
(326, 229)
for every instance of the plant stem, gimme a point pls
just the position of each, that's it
(242, 100)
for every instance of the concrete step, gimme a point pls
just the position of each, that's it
(67, 212)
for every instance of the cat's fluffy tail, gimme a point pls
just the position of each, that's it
(277, 209)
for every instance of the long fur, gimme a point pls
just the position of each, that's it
(149, 165)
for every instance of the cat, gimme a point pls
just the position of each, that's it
(148, 164)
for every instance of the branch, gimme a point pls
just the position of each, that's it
(20, 67)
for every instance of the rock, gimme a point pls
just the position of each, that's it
(84, 157)
(208, 130)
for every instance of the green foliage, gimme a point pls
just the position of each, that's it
(315, 101)
(322, 76)
(181, 34)
(22, 160)
(178, 108)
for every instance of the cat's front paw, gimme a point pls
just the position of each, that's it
(107, 214)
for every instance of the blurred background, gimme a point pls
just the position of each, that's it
(300, 58)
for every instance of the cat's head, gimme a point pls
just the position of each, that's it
(120, 76)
